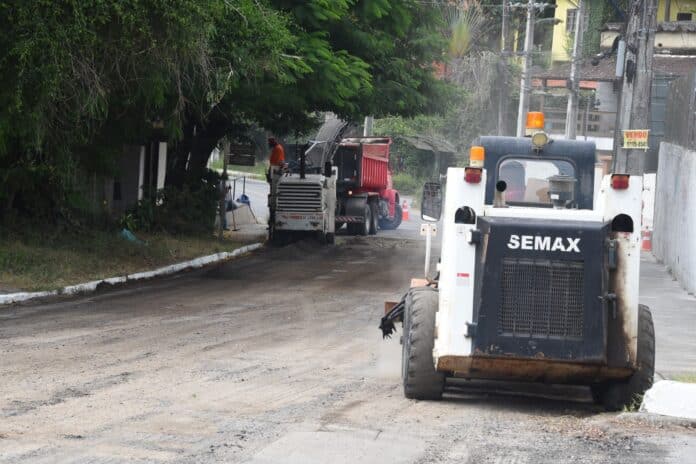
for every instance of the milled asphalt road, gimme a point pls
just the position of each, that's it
(276, 358)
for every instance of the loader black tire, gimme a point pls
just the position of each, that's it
(628, 394)
(420, 379)
(391, 224)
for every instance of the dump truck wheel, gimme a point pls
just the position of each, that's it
(421, 380)
(391, 224)
(364, 228)
(373, 218)
(628, 394)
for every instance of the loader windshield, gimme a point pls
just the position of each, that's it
(528, 179)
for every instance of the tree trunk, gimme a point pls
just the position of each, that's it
(179, 153)
(191, 153)
(205, 141)
(9, 203)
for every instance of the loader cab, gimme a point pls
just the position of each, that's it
(528, 171)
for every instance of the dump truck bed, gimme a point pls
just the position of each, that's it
(363, 163)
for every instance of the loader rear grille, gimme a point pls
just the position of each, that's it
(299, 197)
(541, 299)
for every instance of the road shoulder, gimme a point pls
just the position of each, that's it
(91, 286)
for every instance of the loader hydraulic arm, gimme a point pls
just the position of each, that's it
(386, 325)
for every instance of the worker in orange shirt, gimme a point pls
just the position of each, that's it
(277, 157)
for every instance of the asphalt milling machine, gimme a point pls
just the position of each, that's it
(334, 183)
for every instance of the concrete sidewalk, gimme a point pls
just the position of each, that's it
(674, 314)
(247, 233)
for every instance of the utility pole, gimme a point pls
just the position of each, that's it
(634, 108)
(574, 84)
(504, 67)
(222, 200)
(369, 123)
(525, 84)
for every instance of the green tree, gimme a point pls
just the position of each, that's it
(80, 78)
(471, 66)
(353, 58)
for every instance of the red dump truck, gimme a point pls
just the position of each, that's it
(365, 197)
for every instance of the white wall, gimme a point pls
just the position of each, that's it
(674, 235)
(161, 164)
(665, 41)
(649, 181)
(130, 174)
(608, 98)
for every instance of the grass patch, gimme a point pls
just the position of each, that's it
(688, 378)
(258, 169)
(634, 405)
(32, 262)
(407, 184)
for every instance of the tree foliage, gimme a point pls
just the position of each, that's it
(81, 78)
(472, 67)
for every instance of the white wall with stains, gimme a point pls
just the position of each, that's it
(674, 234)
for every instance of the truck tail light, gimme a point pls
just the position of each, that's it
(472, 175)
(619, 181)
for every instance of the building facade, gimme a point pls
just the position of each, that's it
(675, 56)
(599, 12)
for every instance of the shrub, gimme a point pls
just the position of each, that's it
(188, 210)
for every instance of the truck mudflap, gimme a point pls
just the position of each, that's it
(350, 219)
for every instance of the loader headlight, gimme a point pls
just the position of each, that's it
(539, 140)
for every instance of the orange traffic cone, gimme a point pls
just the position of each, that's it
(646, 244)
(404, 211)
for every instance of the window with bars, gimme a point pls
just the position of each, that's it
(571, 17)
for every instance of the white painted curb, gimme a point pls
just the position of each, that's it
(670, 398)
(162, 271)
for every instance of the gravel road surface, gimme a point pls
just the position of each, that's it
(276, 358)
